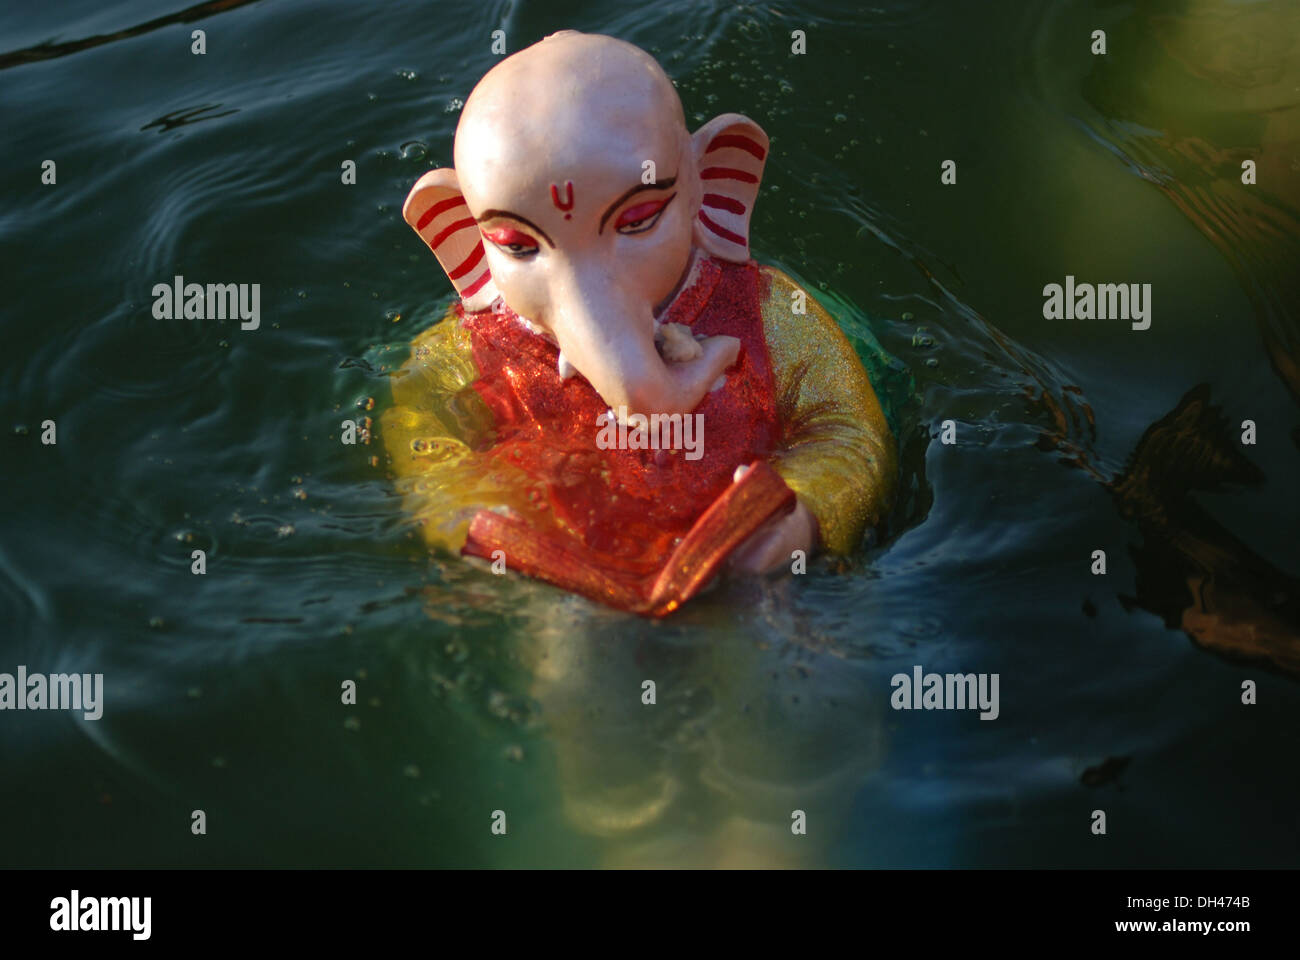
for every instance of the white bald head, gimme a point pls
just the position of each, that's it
(570, 103)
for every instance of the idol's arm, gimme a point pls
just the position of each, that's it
(838, 455)
(434, 434)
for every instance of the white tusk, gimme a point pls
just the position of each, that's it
(566, 368)
(719, 383)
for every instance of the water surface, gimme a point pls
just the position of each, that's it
(477, 693)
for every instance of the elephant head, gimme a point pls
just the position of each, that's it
(581, 200)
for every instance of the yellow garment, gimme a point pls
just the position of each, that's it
(839, 455)
(433, 432)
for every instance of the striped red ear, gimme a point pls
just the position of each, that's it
(730, 150)
(436, 210)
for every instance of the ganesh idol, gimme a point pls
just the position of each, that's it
(601, 256)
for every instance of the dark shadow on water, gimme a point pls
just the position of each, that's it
(1191, 570)
(182, 118)
(49, 51)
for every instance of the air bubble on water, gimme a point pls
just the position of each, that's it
(352, 723)
(907, 317)
(932, 362)
(406, 74)
(284, 530)
(841, 118)
(302, 294)
(392, 316)
(515, 753)
(155, 623)
(411, 770)
(20, 429)
(453, 105)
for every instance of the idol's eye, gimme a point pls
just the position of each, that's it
(642, 217)
(514, 242)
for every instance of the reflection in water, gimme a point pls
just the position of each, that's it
(740, 736)
(1191, 571)
(48, 51)
(181, 118)
(1223, 88)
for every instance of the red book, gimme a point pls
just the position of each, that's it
(745, 506)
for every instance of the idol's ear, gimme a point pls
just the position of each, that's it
(730, 151)
(436, 210)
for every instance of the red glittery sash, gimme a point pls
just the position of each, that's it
(638, 529)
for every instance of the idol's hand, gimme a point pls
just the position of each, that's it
(769, 548)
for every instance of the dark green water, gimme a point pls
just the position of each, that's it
(222, 692)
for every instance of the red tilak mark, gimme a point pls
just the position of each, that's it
(568, 216)
(474, 287)
(441, 207)
(751, 147)
(719, 202)
(568, 196)
(723, 232)
(458, 225)
(727, 173)
(468, 263)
